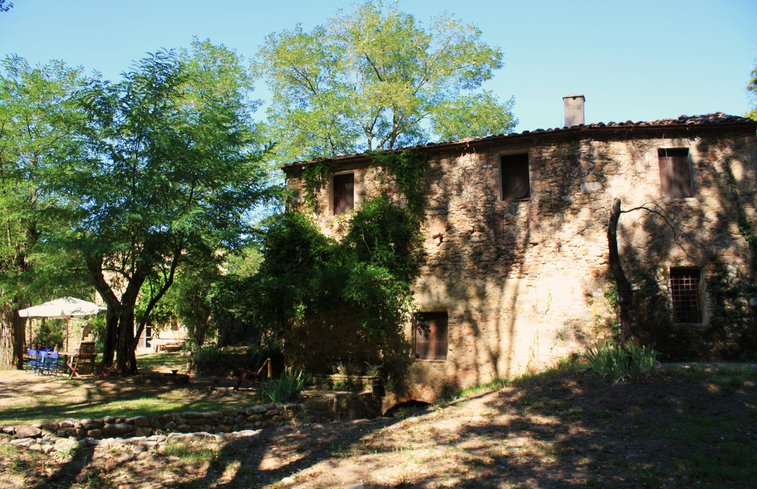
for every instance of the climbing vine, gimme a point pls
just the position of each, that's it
(336, 305)
(314, 178)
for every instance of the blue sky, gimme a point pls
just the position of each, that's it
(638, 60)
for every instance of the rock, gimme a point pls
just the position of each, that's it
(27, 431)
(140, 421)
(95, 433)
(117, 429)
(51, 426)
(256, 410)
(67, 423)
(92, 424)
(23, 442)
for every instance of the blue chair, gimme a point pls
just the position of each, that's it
(31, 358)
(36, 358)
(51, 363)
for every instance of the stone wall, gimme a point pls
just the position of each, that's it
(524, 283)
(323, 407)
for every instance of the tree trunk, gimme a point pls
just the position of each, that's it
(11, 338)
(111, 336)
(126, 360)
(625, 291)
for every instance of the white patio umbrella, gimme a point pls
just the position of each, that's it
(63, 308)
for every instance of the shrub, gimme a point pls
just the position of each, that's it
(285, 388)
(621, 362)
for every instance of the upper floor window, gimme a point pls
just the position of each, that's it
(515, 182)
(431, 336)
(675, 172)
(686, 296)
(344, 192)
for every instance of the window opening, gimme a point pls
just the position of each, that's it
(685, 295)
(515, 182)
(675, 172)
(344, 193)
(431, 336)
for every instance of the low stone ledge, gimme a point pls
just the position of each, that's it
(331, 406)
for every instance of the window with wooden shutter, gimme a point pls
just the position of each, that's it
(344, 192)
(675, 173)
(685, 292)
(431, 336)
(515, 182)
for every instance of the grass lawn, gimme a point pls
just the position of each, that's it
(29, 398)
(682, 428)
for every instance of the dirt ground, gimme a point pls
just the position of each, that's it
(570, 429)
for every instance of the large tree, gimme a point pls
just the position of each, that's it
(752, 89)
(38, 116)
(172, 163)
(374, 79)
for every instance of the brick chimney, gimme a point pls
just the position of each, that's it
(574, 110)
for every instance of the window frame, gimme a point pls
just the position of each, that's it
(502, 175)
(670, 160)
(436, 348)
(682, 295)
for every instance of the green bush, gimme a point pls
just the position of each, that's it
(621, 362)
(285, 388)
(214, 360)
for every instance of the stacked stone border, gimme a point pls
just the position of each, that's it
(332, 406)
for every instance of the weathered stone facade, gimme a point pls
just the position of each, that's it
(525, 283)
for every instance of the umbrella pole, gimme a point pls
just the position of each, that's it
(67, 320)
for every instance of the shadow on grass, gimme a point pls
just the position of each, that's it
(680, 429)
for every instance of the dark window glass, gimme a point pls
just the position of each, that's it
(515, 181)
(344, 192)
(685, 295)
(431, 336)
(675, 172)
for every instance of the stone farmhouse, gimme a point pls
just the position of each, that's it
(515, 273)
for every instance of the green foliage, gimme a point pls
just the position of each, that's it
(410, 171)
(326, 304)
(752, 89)
(189, 452)
(285, 388)
(621, 362)
(168, 162)
(314, 177)
(384, 235)
(212, 359)
(376, 78)
(38, 116)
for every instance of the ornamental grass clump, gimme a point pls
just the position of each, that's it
(621, 362)
(285, 388)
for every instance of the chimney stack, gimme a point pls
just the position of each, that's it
(574, 110)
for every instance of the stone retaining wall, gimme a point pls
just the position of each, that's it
(325, 407)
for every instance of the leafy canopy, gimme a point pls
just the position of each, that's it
(752, 88)
(376, 79)
(38, 116)
(168, 164)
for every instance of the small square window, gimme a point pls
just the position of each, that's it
(431, 336)
(675, 173)
(685, 292)
(344, 192)
(515, 182)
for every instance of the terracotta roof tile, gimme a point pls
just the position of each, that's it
(717, 118)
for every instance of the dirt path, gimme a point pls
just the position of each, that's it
(691, 429)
